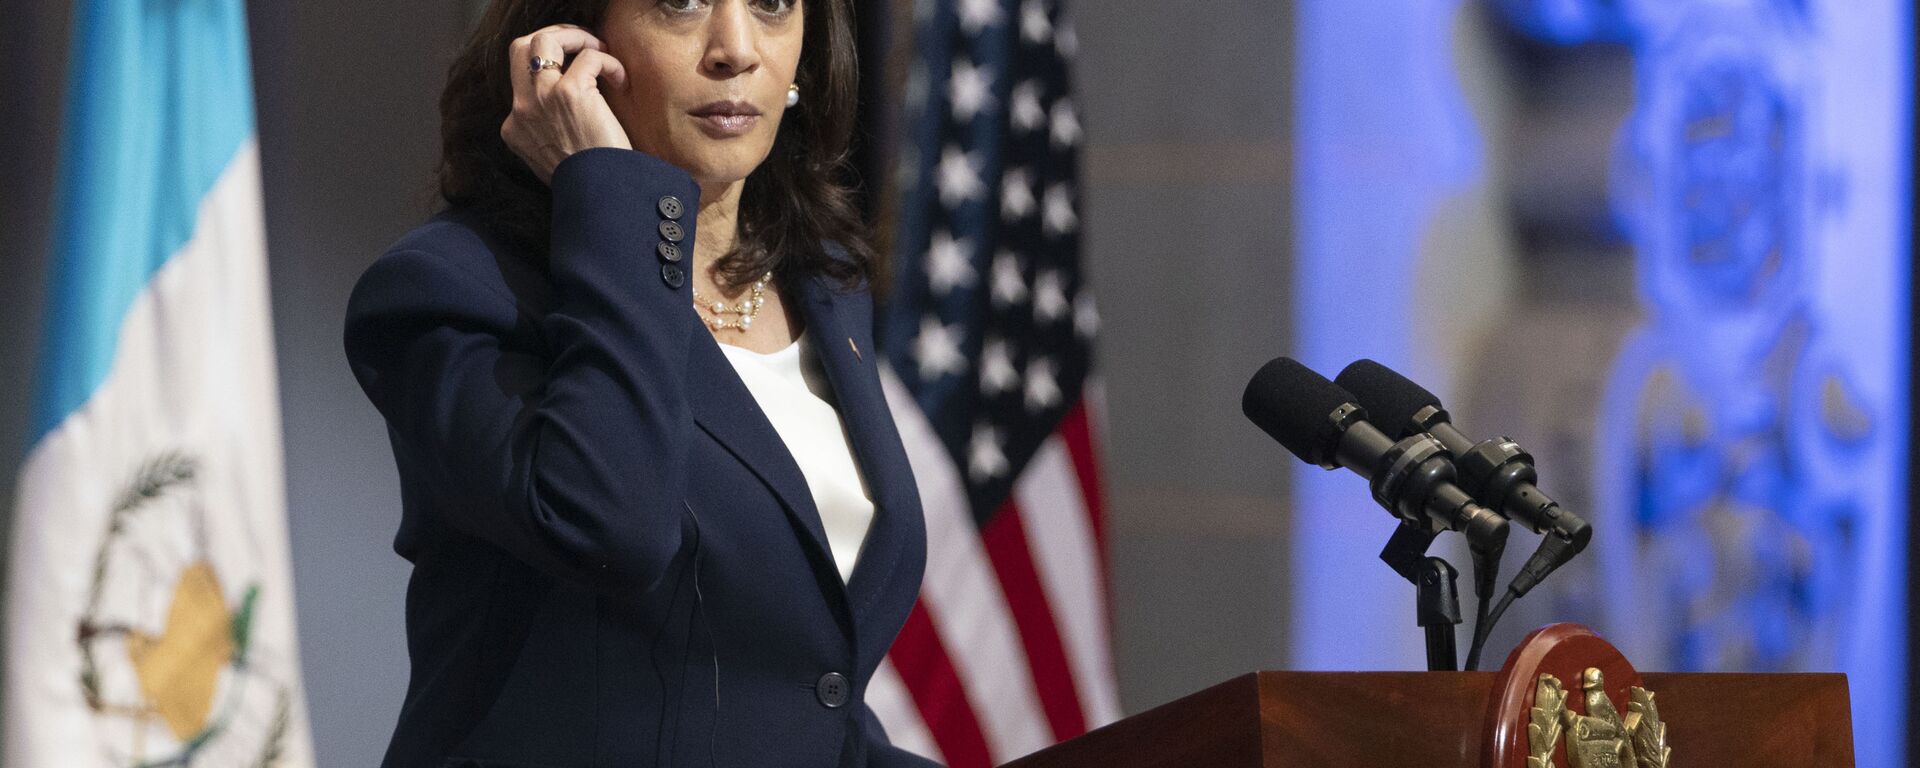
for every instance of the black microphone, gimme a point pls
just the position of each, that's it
(1497, 472)
(1324, 425)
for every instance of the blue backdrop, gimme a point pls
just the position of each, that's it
(1747, 448)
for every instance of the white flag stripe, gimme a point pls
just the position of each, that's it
(970, 612)
(193, 373)
(39, 653)
(1067, 557)
(887, 695)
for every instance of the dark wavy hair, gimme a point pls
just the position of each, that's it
(793, 205)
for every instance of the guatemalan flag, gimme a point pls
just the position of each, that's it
(149, 610)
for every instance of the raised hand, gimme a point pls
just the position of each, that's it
(557, 105)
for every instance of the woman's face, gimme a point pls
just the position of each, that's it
(706, 79)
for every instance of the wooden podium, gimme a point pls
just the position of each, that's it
(1481, 719)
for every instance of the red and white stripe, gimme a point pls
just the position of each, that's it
(1008, 649)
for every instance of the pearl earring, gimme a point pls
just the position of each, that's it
(793, 95)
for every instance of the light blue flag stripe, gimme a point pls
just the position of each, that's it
(160, 98)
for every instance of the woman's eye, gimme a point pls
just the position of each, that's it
(681, 5)
(773, 7)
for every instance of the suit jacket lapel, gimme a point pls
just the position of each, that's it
(726, 409)
(851, 366)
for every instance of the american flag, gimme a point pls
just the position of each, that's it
(988, 332)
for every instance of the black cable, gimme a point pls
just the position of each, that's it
(1479, 618)
(713, 648)
(1483, 629)
(1486, 574)
(1555, 550)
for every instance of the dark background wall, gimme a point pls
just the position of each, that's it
(1187, 240)
(348, 131)
(1189, 173)
(29, 130)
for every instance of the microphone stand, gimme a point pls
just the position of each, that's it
(1437, 593)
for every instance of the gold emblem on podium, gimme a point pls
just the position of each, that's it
(1601, 738)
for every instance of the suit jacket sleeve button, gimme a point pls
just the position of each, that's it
(669, 252)
(672, 232)
(834, 690)
(672, 275)
(670, 207)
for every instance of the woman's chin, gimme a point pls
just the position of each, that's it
(710, 170)
(707, 159)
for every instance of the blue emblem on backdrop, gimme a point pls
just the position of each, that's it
(1748, 458)
(1749, 466)
(1568, 21)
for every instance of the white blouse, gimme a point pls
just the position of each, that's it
(792, 389)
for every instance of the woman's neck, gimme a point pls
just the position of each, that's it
(717, 228)
(715, 232)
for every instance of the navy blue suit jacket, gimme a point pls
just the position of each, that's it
(616, 562)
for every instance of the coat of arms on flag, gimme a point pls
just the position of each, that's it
(193, 674)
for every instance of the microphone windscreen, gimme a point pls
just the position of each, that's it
(1294, 405)
(1390, 398)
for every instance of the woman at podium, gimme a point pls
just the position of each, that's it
(656, 507)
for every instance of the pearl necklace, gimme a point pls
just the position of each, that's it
(744, 312)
